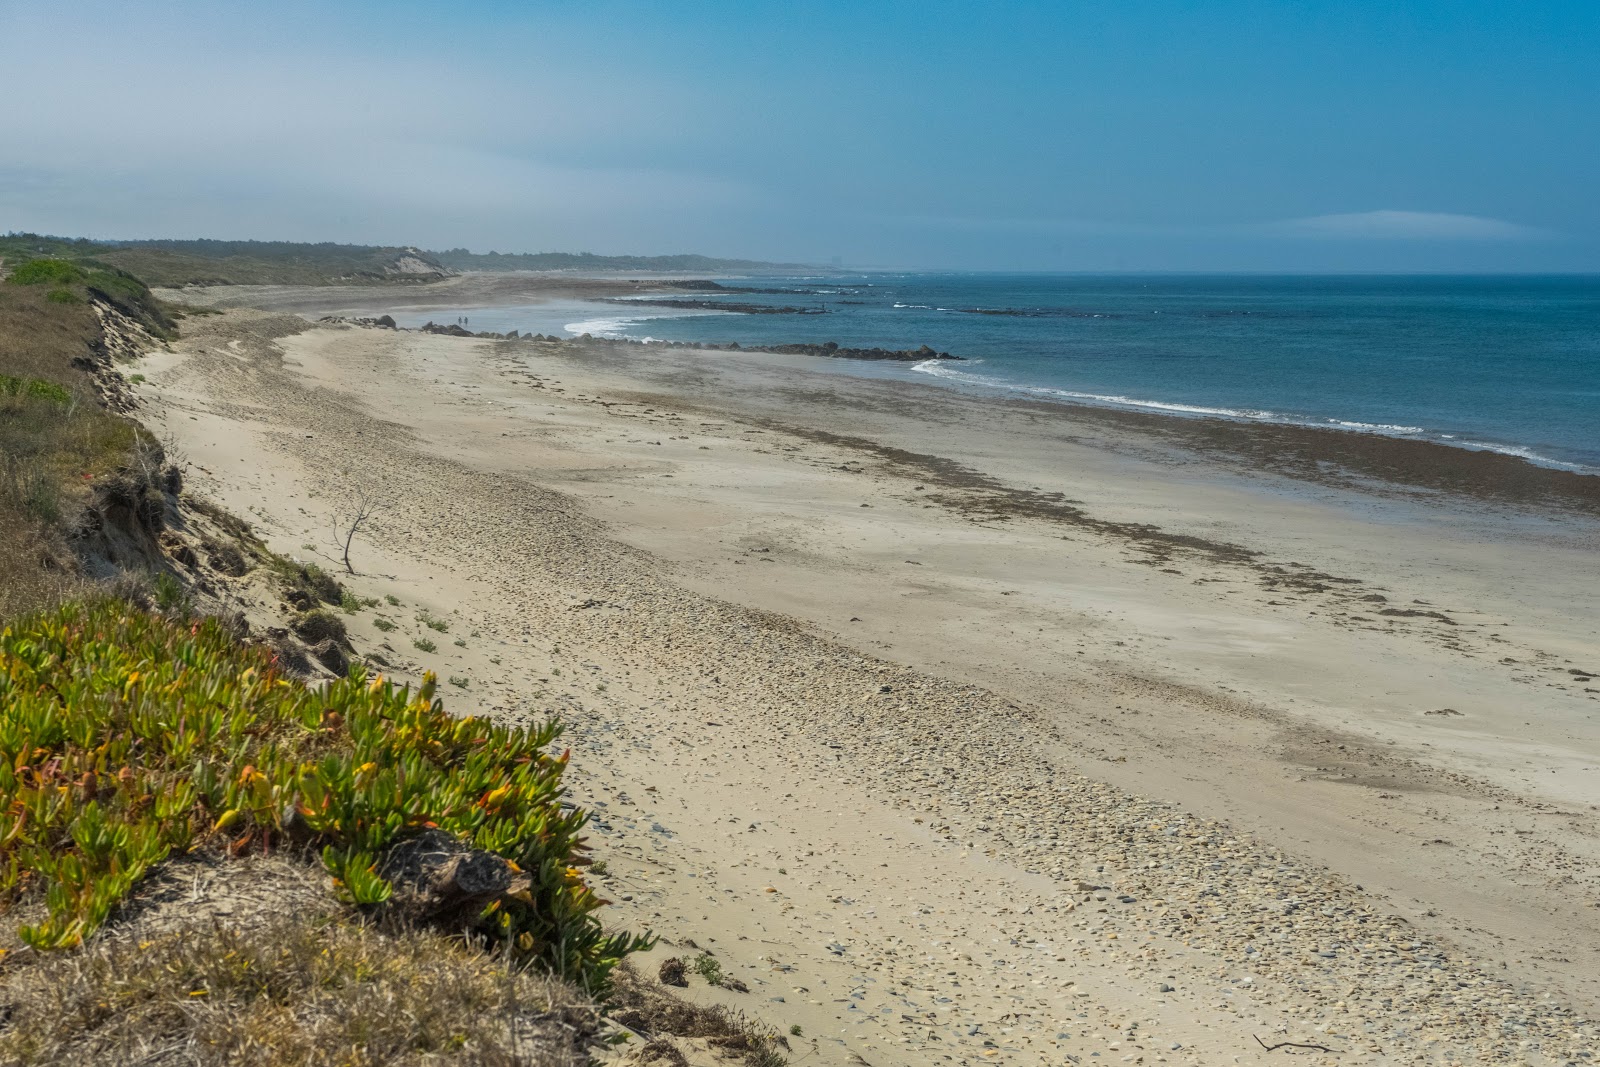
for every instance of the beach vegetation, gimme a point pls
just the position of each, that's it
(392, 600)
(288, 993)
(54, 272)
(423, 644)
(320, 624)
(708, 967)
(169, 592)
(127, 737)
(459, 682)
(58, 444)
(383, 624)
(433, 622)
(349, 603)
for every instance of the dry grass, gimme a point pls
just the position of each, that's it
(53, 451)
(645, 1008)
(40, 339)
(34, 571)
(286, 993)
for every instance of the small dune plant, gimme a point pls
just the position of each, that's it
(127, 737)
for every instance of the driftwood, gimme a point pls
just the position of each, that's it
(1294, 1044)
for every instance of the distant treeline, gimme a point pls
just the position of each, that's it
(209, 262)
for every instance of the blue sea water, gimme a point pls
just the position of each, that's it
(1506, 363)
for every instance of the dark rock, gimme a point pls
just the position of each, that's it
(328, 653)
(673, 972)
(437, 876)
(833, 350)
(452, 330)
(717, 305)
(291, 658)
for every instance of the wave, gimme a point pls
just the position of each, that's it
(941, 369)
(1521, 452)
(617, 327)
(609, 328)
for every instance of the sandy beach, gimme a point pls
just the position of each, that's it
(965, 730)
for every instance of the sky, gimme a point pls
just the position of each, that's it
(1122, 135)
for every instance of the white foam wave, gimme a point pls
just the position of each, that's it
(1376, 427)
(611, 328)
(617, 327)
(942, 369)
(1528, 454)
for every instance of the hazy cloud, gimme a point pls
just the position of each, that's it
(1406, 225)
(1160, 140)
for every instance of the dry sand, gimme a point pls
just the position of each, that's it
(946, 768)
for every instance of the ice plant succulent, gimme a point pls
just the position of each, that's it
(126, 737)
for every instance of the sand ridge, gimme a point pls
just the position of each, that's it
(912, 861)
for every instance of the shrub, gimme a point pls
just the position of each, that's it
(349, 603)
(383, 624)
(424, 645)
(33, 387)
(708, 968)
(46, 272)
(125, 736)
(392, 600)
(319, 625)
(169, 592)
(432, 622)
(320, 582)
(459, 682)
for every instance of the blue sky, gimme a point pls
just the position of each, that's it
(1073, 136)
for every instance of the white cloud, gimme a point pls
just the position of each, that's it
(1406, 225)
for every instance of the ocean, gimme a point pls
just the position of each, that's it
(1510, 364)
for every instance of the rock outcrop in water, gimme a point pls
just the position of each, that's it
(717, 305)
(833, 350)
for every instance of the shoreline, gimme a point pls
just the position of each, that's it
(1350, 456)
(943, 726)
(1307, 452)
